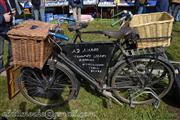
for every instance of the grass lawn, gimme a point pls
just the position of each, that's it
(90, 105)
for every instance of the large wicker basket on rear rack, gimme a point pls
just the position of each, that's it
(154, 29)
(29, 43)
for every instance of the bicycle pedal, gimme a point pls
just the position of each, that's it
(156, 104)
(109, 103)
(131, 102)
(132, 105)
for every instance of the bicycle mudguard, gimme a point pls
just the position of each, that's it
(177, 83)
(122, 60)
(54, 64)
(165, 60)
(60, 66)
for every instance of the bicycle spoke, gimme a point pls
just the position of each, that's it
(61, 85)
(120, 77)
(124, 83)
(33, 93)
(52, 88)
(34, 79)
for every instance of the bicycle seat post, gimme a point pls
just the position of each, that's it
(76, 28)
(77, 35)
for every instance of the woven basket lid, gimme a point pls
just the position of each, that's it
(31, 29)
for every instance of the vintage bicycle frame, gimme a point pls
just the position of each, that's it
(90, 60)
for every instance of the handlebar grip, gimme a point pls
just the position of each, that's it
(59, 36)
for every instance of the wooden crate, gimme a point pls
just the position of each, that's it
(30, 44)
(154, 25)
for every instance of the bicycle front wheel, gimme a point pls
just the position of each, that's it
(130, 80)
(48, 87)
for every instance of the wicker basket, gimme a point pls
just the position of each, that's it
(29, 43)
(154, 29)
(175, 1)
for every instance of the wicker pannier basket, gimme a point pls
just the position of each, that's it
(154, 29)
(30, 44)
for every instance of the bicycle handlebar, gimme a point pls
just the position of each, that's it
(59, 36)
(124, 16)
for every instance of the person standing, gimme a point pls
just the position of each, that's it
(7, 10)
(162, 5)
(39, 9)
(140, 6)
(76, 8)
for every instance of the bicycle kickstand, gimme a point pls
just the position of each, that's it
(146, 90)
(157, 100)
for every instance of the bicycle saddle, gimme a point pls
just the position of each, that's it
(123, 32)
(77, 27)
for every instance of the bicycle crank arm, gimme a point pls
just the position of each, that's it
(109, 95)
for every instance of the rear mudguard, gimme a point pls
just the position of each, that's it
(122, 60)
(177, 83)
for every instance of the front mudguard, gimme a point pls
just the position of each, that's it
(55, 64)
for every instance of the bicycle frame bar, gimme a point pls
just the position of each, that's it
(79, 70)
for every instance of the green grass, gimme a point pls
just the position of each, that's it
(90, 105)
(174, 49)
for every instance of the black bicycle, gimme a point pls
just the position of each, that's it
(116, 69)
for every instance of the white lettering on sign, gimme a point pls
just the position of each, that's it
(82, 56)
(91, 64)
(76, 51)
(86, 60)
(96, 71)
(92, 59)
(99, 56)
(90, 50)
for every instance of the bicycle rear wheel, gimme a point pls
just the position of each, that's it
(155, 74)
(48, 87)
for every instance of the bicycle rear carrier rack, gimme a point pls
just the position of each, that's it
(144, 52)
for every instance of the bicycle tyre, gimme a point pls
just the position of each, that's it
(118, 68)
(67, 76)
